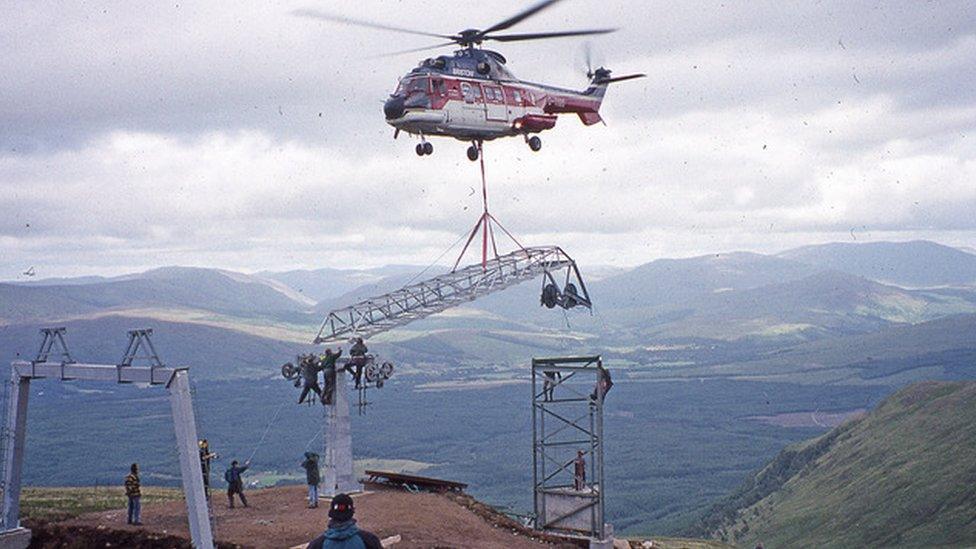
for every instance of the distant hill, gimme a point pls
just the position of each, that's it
(170, 287)
(329, 283)
(913, 264)
(212, 353)
(943, 348)
(824, 303)
(672, 282)
(901, 476)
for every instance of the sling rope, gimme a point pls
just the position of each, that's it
(484, 224)
(311, 440)
(268, 428)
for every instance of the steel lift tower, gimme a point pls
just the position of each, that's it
(567, 425)
(53, 361)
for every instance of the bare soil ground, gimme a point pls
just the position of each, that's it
(278, 517)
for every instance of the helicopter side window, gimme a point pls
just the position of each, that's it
(517, 97)
(467, 92)
(494, 95)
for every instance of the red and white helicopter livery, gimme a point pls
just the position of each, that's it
(472, 96)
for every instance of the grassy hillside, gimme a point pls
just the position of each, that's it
(901, 476)
(51, 504)
(942, 348)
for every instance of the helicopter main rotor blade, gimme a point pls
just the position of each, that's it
(323, 16)
(541, 35)
(518, 18)
(413, 50)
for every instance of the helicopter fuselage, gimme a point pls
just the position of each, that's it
(473, 97)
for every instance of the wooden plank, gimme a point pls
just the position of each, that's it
(416, 480)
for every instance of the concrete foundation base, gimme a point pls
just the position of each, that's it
(606, 543)
(18, 538)
(569, 509)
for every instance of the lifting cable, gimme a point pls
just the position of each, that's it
(484, 223)
(264, 435)
(311, 440)
(434, 262)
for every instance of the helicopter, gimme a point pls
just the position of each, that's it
(473, 97)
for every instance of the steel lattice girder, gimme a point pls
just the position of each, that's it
(379, 314)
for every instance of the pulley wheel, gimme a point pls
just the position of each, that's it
(550, 295)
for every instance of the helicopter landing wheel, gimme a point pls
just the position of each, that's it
(420, 149)
(535, 143)
(428, 148)
(472, 153)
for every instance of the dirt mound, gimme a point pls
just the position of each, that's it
(59, 536)
(278, 517)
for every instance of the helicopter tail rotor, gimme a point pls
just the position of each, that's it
(601, 77)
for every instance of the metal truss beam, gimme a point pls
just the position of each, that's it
(94, 372)
(385, 312)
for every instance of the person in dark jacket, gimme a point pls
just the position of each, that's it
(235, 484)
(357, 360)
(328, 364)
(549, 383)
(134, 493)
(206, 456)
(343, 532)
(603, 384)
(309, 367)
(311, 466)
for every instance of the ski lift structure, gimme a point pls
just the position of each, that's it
(562, 286)
(496, 272)
(55, 362)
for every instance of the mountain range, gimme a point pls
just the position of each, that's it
(778, 302)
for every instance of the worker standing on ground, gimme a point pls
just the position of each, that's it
(328, 361)
(579, 471)
(134, 493)
(206, 456)
(343, 532)
(309, 368)
(235, 484)
(311, 466)
(357, 359)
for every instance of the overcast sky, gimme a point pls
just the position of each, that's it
(237, 135)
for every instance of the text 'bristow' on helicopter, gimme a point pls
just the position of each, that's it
(472, 96)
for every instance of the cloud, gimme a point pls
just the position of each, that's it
(238, 135)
